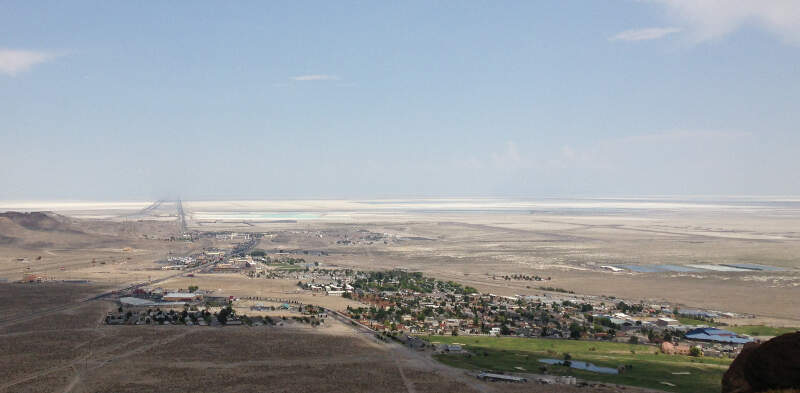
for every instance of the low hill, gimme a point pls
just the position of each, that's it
(38, 221)
(37, 230)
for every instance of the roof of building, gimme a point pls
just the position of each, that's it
(181, 294)
(716, 335)
(696, 313)
(135, 301)
(502, 377)
(617, 321)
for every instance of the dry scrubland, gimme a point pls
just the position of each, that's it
(239, 286)
(569, 246)
(107, 252)
(69, 350)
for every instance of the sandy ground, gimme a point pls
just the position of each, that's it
(568, 241)
(468, 240)
(71, 351)
(238, 285)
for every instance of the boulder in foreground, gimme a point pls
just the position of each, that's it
(771, 366)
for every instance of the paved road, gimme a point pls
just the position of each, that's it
(181, 217)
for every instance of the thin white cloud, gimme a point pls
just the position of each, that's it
(509, 158)
(606, 153)
(315, 77)
(712, 19)
(651, 33)
(688, 136)
(13, 61)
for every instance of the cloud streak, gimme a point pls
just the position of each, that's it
(711, 19)
(315, 77)
(13, 62)
(651, 33)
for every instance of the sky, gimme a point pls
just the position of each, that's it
(113, 100)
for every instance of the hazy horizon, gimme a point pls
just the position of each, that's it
(432, 196)
(575, 197)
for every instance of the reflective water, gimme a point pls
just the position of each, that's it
(582, 366)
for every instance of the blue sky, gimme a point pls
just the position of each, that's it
(115, 100)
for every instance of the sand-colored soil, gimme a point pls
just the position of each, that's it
(71, 351)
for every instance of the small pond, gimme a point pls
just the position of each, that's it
(582, 366)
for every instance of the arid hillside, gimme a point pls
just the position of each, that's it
(45, 229)
(72, 351)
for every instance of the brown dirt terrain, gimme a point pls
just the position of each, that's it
(105, 252)
(71, 351)
(23, 297)
(479, 249)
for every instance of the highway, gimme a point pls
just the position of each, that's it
(181, 216)
(147, 210)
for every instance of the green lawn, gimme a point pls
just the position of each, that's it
(760, 330)
(289, 267)
(649, 369)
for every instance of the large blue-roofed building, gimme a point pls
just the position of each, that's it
(716, 335)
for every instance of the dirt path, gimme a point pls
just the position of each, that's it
(43, 373)
(74, 382)
(409, 384)
(92, 361)
(423, 361)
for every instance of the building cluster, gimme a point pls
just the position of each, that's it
(414, 304)
(159, 297)
(245, 264)
(159, 307)
(185, 262)
(180, 262)
(233, 236)
(139, 315)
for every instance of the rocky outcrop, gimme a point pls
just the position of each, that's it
(773, 365)
(36, 221)
(734, 380)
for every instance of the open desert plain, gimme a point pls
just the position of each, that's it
(400, 196)
(66, 268)
(661, 249)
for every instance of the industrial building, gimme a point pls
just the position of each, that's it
(716, 336)
(182, 297)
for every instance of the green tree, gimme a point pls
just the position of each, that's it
(575, 330)
(223, 315)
